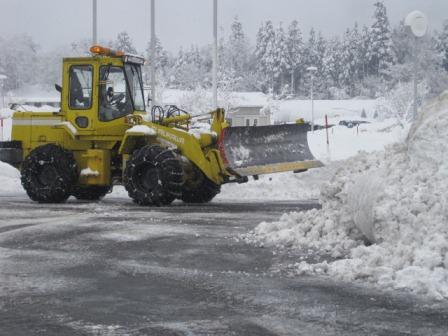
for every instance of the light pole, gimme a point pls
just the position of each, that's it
(153, 53)
(312, 70)
(418, 25)
(2, 85)
(94, 22)
(215, 54)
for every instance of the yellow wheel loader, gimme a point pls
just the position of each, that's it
(103, 136)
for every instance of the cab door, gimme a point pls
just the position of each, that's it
(79, 102)
(114, 102)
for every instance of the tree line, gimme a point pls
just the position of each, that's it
(364, 61)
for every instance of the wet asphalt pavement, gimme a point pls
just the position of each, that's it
(114, 268)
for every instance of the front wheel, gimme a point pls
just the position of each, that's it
(153, 176)
(48, 174)
(199, 189)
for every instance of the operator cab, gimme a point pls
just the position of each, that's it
(112, 87)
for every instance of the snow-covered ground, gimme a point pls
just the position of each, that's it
(9, 178)
(290, 110)
(396, 199)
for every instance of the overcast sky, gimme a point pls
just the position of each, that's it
(185, 22)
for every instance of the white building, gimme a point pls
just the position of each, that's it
(249, 109)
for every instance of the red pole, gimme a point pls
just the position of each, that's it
(326, 128)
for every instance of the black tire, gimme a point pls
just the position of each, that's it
(48, 174)
(199, 189)
(90, 193)
(153, 176)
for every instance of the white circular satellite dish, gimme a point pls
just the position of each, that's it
(418, 23)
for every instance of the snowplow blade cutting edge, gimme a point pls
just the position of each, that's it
(267, 149)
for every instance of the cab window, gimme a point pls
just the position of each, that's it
(114, 99)
(80, 87)
(133, 72)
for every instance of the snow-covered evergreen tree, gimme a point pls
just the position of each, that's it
(161, 61)
(238, 47)
(380, 53)
(364, 51)
(351, 59)
(332, 64)
(310, 52)
(18, 59)
(124, 42)
(234, 57)
(265, 53)
(313, 56)
(191, 68)
(295, 47)
(161, 56)
(281, 64)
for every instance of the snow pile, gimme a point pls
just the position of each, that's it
(397, 199)
(9, 178)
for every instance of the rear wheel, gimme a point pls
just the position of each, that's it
(90, 193)
(153, 176)
(48, 174)
(199, 189)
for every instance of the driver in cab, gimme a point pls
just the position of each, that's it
(111, 104)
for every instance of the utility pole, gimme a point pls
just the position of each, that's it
(312, 70)
(94, 22)
(215, 54)
(153, 53)
(2, 88)
(292, 82)
(415, 78)
(417, 23)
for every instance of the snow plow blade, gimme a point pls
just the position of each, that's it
(267, 149)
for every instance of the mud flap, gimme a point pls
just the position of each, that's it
(267, 149)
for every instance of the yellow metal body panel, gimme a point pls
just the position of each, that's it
(97, 167)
